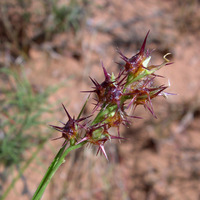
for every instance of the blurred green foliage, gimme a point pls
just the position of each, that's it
(68, 16)
(21, 114)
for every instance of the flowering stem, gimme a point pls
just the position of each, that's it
(111, 94)
(58, 160)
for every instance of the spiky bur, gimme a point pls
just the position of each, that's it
(136, 64)
(97, 135)
(133, 86)
(70, 130)
(108, 92)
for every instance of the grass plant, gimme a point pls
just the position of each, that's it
(133, 86)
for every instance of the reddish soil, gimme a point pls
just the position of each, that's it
(161, 158)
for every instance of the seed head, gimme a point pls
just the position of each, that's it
(97, 135)
(108, 92)
(137, 63)
(143, 91)
(70, 129)
(134, 83)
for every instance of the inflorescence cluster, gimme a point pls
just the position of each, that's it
(133, 86)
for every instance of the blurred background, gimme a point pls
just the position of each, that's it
(48, 49)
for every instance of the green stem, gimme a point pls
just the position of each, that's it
(58, 160)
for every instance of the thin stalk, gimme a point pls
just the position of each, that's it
(57, 162)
